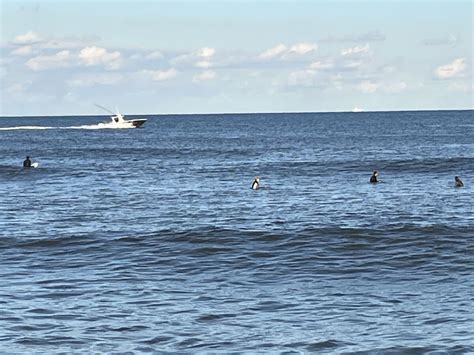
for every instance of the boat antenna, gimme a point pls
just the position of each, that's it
(105, 109)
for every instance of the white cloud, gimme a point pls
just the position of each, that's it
(22, 51)
(203, 64)
(95, 79)
(136, 56)
(143, 55)
(88, 56)
(160, 75)
(274, 51)
(368, 87)
(45, 62)
(395, 87)
(205, 52)
(201, 58)
(29, 37)
(352, 65)
(303, 48)
(154, 55)
(452, 69)
(97, 55)
(43, 42)
(321, 65)
(356, 50)
(204, 76)
(388, 69)
(282, 51)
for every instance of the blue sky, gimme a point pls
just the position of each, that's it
(60, 57)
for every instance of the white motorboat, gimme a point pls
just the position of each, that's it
(118, 120)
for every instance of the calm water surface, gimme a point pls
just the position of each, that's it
(151, 240)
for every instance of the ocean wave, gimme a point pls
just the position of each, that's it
(222, 237)
(253, 285)
(386, 165)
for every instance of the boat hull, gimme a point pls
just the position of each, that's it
(137, 123)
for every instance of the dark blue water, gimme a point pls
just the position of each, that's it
(151, 240)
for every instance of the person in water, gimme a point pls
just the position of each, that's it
(458, 182)
(373, 178)
(27, 162)
(256, 183)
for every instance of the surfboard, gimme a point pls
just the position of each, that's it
(35, 165)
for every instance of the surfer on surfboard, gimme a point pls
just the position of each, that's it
(27, 163)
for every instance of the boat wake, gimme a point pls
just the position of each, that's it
(95, 126)
(25, 127)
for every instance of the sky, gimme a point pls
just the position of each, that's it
(172, 57)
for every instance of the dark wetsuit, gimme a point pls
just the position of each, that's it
(373, 179)
(27, 163)
(458, 182)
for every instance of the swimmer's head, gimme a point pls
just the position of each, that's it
(376, 173)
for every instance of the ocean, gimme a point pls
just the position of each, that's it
(150, 240)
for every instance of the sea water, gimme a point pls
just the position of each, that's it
(151, 239)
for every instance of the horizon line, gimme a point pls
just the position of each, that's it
(249, 113)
